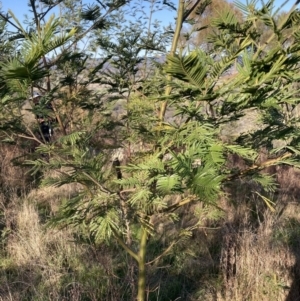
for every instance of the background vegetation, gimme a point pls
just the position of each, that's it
(172, 173)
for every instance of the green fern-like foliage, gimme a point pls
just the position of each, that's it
(241, 74)
(25, 70)
(264, 74)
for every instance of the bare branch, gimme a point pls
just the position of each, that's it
(5, 18)
(163, 253)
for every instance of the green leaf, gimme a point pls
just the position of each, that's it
(168, 184)
(140, 197)
(103, 227)
(191, 68)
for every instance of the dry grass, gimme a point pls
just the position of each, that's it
(259, 250)
(254, 267)
(13, 177)
(35, 256)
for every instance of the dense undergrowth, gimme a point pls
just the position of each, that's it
(245, 253)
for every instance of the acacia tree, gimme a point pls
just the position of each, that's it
(146, 188)
(31, 68)
(180, 163)
(24, 73)
(265, 81)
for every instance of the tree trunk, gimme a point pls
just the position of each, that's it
(142, 266)
(180, 16)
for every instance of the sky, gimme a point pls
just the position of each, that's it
(20, 8)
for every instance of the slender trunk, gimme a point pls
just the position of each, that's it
(48, 81)
(142, 266)
(180, 17)
(57, 116)
(128, 241)
(148, 34)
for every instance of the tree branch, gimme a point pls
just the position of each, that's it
(29, 138)
(163, 253)
(11, 23)
(36, 19)
(124, 246)
(186, 15)
(257, 167)
(178, 205)
(42, 15)
(103, 189)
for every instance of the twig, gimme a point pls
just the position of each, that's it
(11, 23)
(177, 205)
(163, 253)
(257, 167)
(28, 137)
(103, 189)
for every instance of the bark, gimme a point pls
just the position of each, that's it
(142, 266)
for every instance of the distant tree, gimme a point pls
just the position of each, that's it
(199, 22)
(32, 67)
